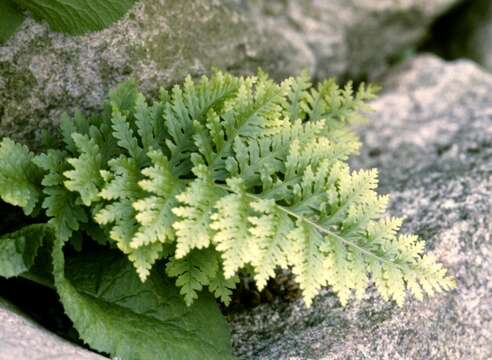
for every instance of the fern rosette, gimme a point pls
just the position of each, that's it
(222, 175)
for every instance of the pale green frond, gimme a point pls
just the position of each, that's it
(433, 276)
(159, 177)
(225, 174)
(384, 231)
(360, 213)
(196, 206)
(155, 216)
(120, 191)
(410, 247)
(359, 273)
(85, 178)
(179, 125)
(338, 105)
(144, 258)
(308, 263)
(297, 96)
(395, 283)
(121, 182)
(259, 161)
(232, 237)
(189, 104)
(154, 213)
(119, 217)
(256, 111)
(270, 229)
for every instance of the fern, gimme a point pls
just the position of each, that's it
(18, 185)
(225, 174)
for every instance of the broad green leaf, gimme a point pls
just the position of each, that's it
(116, 313)
(10, 19)
(19, 249)
(77, 16)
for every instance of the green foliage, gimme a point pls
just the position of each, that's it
(120, 315)
(18, 176)
(19, 249)
(68, 16)
(10, 19)
(226, 174)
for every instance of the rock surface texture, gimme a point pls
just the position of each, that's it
(22, 338)
(43, 74)
(431, 138)
(466, 31)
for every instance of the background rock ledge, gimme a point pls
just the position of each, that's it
(431, 138)
(21, 338)
(43, 74)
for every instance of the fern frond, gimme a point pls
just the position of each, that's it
(193, 272)
(298, 96)
(85, 178)
(227, 173)
(144, 257)
(125, 137)
(270, 228)
(194, 214)
(154, 213)
(221, 287)
(62, 206)
(19, 177)
(147, 120)
(232, 237)
(306, 259)
(192, 104)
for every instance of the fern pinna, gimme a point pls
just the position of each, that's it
(224, 174)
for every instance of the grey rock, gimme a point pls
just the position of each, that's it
(23, 339)
(354, 38)
(431, 138)
(465, 32)
(43, 74)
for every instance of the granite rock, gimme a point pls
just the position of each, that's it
(21, 338)
(355, 38)
(431, 138)
(464, 32)
(43, 74)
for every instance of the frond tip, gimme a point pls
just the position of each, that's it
(223, 174)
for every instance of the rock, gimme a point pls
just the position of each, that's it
(43, 74)
(465, 32)
(354, 39)
(431, 138)
(22, 339)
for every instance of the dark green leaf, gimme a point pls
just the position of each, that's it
(10, 19)
(19, 249)
(115, 313)
(77, 16)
